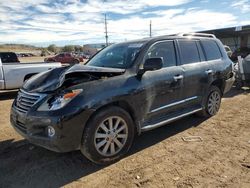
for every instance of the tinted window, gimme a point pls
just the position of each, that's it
(8, 57)
(189, 52)
(166, 51)
(211, 49)
(60, 55)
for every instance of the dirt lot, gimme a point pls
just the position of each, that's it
(31, 59)
(159, 158)
(38, 59)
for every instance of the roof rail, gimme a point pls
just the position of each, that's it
(197, 35)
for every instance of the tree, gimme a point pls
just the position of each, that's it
(52, 48)
(78, 48)
(68, 48)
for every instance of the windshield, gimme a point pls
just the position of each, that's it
(117, 55)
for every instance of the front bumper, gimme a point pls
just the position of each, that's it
(34, 128)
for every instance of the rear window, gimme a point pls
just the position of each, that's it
(189, 51)
(211, 49)
(8, 57)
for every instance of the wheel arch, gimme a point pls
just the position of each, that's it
(26, 77)
(122, 104)
(220, 84)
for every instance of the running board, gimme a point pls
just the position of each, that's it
(159, 124)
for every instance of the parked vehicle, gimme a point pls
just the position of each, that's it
(9, 57)
(13, 73)
(243, 52)
(242, 70)
(125, 89)
(65, 58)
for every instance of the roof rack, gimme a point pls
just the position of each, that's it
(197, 35)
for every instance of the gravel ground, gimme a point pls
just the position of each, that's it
(159, 158)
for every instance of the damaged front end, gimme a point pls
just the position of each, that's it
(57, 83)
(65, 77)
(50, 108)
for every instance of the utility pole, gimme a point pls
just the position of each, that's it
(150, 29)
(106, 31)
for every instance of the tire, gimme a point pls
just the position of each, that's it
(238, 84)
(102, 146)
(212, 102)
(75, 61)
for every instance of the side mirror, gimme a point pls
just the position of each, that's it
(152, 64)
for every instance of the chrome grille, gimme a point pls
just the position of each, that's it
(25, 101)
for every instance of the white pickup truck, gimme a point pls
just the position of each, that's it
(14, 74)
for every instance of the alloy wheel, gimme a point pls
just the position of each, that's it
(214, 102)
(111, 136)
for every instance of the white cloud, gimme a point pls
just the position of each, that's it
(36, 21)
(242, 5)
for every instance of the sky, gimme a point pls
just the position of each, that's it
(61, 22)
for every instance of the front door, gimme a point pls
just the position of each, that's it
(163, 87)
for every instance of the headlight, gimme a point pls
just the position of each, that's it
(58, 101)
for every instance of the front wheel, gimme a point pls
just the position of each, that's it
(108, 135)
(213, 101)
(76, 61)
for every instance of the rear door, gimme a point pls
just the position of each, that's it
(213, 56)
(196, 71)
(163, 87)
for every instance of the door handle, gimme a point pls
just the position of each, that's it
(209, 71)
(178, 77)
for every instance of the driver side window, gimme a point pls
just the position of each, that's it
(164, 50)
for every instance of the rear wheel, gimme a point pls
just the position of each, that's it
(108, 136)
(213, 101)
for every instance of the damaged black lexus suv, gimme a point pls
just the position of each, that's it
(125, 89)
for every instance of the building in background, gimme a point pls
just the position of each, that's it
(234, 37)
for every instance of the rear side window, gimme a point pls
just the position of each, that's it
(165, 50)
(211, 49)
(189, 51)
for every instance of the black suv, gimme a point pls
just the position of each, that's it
(125, 89)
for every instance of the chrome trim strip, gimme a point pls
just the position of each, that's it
(153, 126)
(174, 104)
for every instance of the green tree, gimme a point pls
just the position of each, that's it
(78, 48)
(68, 48)
(52, 48)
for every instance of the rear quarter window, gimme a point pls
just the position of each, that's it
(211, 49)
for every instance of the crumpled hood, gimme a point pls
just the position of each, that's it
(51, 80)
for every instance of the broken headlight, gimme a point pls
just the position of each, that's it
(58, 101)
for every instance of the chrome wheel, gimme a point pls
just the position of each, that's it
(214, 102)
(111, 136)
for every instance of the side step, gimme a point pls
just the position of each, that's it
(151, 126)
